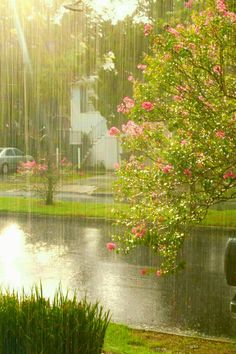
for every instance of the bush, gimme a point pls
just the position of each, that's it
(181, 135)
(31, 324)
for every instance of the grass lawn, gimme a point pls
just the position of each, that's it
(225, 218)
(60, 208)
(123, 340)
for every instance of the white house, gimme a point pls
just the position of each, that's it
(89, 130)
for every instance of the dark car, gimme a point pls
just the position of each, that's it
(10, 157)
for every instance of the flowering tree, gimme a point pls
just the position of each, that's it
(181, 135)
(47, 176)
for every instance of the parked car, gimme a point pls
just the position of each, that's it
(10, 157)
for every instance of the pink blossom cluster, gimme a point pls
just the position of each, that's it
(206, 103)
(139, 231)
(222, 8)
(217, 69)
(132, 129)
(173, 31)
(111, 246)
(147, 29)
(113, 131)
(183, 88)
(130, 78)
(177, 47)
(189, 4)
(167, 168)
(220, 134)
(142, 67)
(29, 165)
(126, 105)
(32, 167)
(187, 172)
(148, 106)
(178, 98)
(229, 174)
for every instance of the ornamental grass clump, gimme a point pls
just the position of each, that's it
(31, 324)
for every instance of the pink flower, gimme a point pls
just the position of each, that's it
(111, 246)
(220, 134)
(189, 4)
(143, 271)
(142, 67)
(229, 174)
(129, 102)
(183, 142)
(126, 105)
(217, 69)
(130, 78)
(148, 106)
(116, 166)
(177, 47)
(221, 7)
(178, 98)
(139, 231)
(167, 168)
(147, 29)
(187, 172)
(113, 131)
(122, 109)
(181, 88)
(158, 273)
(29, 165)
(173, 31)
(132, 129)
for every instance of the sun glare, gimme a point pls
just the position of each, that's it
(116, 9)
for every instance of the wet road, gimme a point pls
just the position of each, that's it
(74, 253)
(67, 196)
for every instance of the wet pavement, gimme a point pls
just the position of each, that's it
(67, 196)
(74, 253)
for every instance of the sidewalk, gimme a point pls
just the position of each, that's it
(96, 185)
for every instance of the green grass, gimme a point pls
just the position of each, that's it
(60, 208)
(120, 339)
(226, 218)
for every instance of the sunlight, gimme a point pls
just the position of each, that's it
(115, 10)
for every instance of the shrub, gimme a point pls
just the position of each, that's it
(31, 324)
(180, 136)
(47, 176)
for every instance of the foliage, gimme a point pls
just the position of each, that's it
(33, 324)
(49, 176)
(181, 135)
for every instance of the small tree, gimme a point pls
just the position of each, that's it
(46, 177)
(181, 136)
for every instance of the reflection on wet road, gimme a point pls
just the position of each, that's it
(74, 253)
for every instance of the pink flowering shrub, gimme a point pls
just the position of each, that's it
(45, 176)
(180, 136)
